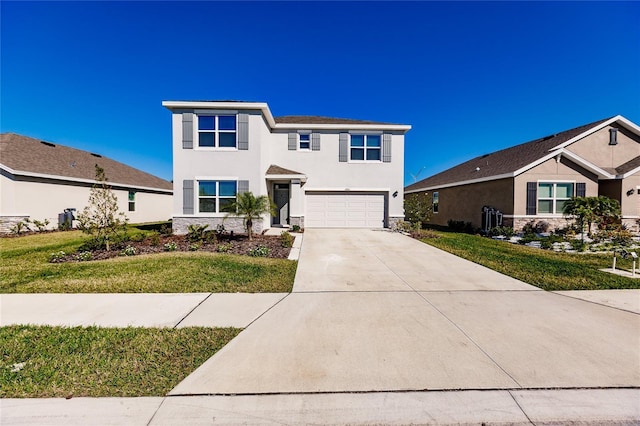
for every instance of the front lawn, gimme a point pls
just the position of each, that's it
(58, 362)
(25, 268)
(541, 268)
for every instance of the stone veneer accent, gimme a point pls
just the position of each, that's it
(8, 222)
(518, 223)
(181, 224)
(393, 222)
(632, 225)
(297, 221)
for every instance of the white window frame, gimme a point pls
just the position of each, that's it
(308, 135)
(554, 199)
(217, 197)
(216, 132)
(365, 148)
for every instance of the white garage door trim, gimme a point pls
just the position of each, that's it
(344, 210)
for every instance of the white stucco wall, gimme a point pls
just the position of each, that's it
(42, 200)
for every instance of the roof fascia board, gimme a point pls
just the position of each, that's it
(296, 126)
(630, 173)
(573, 157)
(464, 182)
(80, 180)
(287, 177)
(618, 118)
(262, 106)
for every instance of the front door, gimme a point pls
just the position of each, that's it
(281, 200)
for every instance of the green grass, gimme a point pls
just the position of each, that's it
(541, 268)
(100, 362)
(24, 268)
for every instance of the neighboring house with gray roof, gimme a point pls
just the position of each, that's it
(39, 180)
(319, 171)
(530, 182)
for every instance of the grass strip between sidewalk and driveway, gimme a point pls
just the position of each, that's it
(48, 362)
(542, 268)
(24, 268)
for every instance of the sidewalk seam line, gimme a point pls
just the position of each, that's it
(191, 311)
(520, 407)
(271, 307)
(593, 301)
(156, 410)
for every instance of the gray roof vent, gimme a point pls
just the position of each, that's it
(48, 144)
(96, 155)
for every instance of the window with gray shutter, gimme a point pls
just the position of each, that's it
(243, 131)
(187, 130)
(581, 189)
(386, 148)
(315, 141)
(293, 141)
(243, 186)
(343, 152)
(613, 136)
(532, 197)
(187, 196)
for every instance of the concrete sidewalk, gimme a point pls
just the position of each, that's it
(519, 407)
(137, 310)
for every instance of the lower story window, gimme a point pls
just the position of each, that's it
(553, 195)
(436, 199)
(132, 201)
(216, 196)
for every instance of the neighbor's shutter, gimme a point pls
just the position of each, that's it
(532, 197)
(581, 189)
(343, 153)
(386, 148)
(187, 130)
(187, 197)
(293, 141)
(243, 186)
(243, 131)
(315, 141)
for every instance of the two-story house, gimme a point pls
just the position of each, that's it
(319, 172)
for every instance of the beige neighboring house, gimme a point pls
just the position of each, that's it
(40, 180)
(532, 181)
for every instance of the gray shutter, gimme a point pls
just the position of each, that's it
(315, 141)
(532, 197)
(243, 131)
(343, 152)
(293, 141)
(187, 130)
(243, 186)
(581, 189)
(187, 197)
(613, 136)
(386, 148)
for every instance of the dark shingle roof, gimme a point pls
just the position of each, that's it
(277, 170)
(501, 162)
(25, 154)
(629, 165)
(314, 119)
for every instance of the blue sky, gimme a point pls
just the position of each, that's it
(470, 77)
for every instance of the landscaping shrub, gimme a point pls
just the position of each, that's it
(461, 226)
(57, 256)
(128, 251)
(286, 239)
(295, 228)
(260, 251)
(170, 246)
(196, 233)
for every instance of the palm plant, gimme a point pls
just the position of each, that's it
(250, 207)
(589, 210)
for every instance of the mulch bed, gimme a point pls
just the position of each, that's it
(231, 244)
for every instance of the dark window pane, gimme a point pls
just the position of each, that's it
(207, 205)
(132, 207)
(373, 140)
(357, 140)
(227, 140)
(206, 122)
(357, 153)
(373, 154)
(226, 205)
(545, 206)
(304, 145)
(304, 138)
(228, 189)
(227, 122)
(207, 189)
(132, 196)
(206, 139)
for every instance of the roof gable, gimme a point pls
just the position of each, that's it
(29, 156)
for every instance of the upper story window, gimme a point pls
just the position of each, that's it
(553, 195)
(365, 147)
(216, 196)
(217, 131)
(305, 141)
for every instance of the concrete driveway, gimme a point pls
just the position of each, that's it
(378, 311)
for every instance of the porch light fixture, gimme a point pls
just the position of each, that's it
(395, 194)
(630, 192)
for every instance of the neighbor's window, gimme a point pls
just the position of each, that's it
(132, 201)
(365, 147)
(217, 131)
(216, 196)
(552, 196)
(436, 197)
(305, 141)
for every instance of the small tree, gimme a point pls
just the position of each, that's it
(101, 218)
(250, 207)
(418, 209)
(590, 210)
